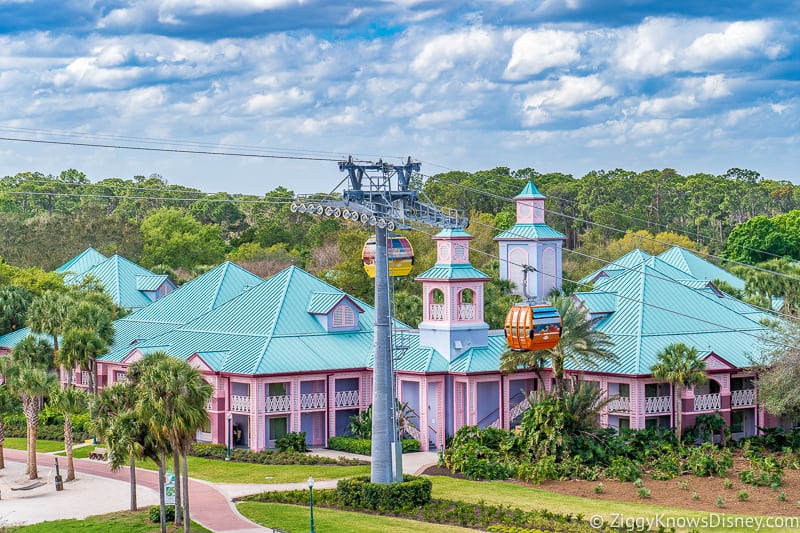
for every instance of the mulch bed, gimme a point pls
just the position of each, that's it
(763, 501)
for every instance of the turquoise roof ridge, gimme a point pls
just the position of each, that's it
(529, 232)
(448, 271)
(530, 191)
(700, 268)
(119, 278)
(82, 262)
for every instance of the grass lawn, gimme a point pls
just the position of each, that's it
(122, 522)
(79, 453)
(43, 446)
(502, 493)
(295, 519)
(218, 471)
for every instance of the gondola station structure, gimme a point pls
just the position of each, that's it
(293, 353)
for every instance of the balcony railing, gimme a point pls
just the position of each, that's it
(209, 404)
(706, 402)
(438, 312)
(411, 431)
(658, 404)
(240, 404)
(518, 409)
(278, 403)
(347, 398)
(466, 311)
(314, 400)
(85, 379)
(744, 397)
(620, 405)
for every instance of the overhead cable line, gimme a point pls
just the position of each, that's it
(612, 228)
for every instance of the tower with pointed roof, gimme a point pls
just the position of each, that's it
(452, 298)
(531, 242)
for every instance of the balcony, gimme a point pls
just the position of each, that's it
(657, 405)
(275, 404)
(466, 311)
(707, 402)
(347, 398)
(743, 398)
(620, 405)
(438, 312)
(314, 400)
(240, 404)
(518, 409)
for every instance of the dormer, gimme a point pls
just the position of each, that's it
(335, 311)
(155, 286)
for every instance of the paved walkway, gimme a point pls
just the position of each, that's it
(211, 504)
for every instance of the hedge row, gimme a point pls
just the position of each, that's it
(46, 433)
(359, 492)
(267, 457)
(364, 446)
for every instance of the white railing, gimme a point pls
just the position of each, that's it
(347, 398)
(658, 404)
(466, 311)
(438, 312)
(743, 397)
(209, 404)
(620, 405)
(314, 400)
(496, 424)
(278, 403)
(121, 377)
(202, 436)
(85, 379)
(706, 402)
(240, 404)
(411, 431)
(519, 408)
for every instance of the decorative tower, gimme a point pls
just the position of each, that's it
(531, 242)
(452, 298)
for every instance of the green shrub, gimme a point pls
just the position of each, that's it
(638, 483)
(291, 442)
(728, 484)
(267, 457)
(708, 460)
(538, 471)
(155, 513)
(781, 496)
(624, 469)
(720, 501)
(361, 493)
(764, 471)
(599, 488)
(643, 492)
(743, 495)
(695, 496)
(683, 485)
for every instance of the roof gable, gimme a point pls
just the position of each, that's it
(82, 262)
(322, 303)
(700, 268)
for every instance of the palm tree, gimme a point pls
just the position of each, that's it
(88, 315)
(31, 383)
(34, 350)
(47, 315)
(14, 303)
(68, 402)
(81, 347)
(580, 344)
(681, 367)
(172, 397)
(114, 418)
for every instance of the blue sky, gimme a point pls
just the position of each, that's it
(556, 85)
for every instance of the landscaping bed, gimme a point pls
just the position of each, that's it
(761, 500)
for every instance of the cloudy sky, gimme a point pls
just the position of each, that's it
(557, 85)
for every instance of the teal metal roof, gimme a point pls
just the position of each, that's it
(10, 340)
(439, 271)
(632, 259)
(530, 191)
(321, 303)
(653, 311)
(700, 268)
(453, 232)
(483, 359)
(267, 329)
(599, 302)
(530, 231)
(119, 278)
(82, 262)
(150, 283)
(191, 300)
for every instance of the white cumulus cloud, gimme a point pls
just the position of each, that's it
(536, 51)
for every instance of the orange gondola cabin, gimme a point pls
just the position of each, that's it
(400, 255)
(532, 327)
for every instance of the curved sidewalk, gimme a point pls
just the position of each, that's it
(209, 506)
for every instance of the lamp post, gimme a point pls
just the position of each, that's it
(311, 501)
(229, 431)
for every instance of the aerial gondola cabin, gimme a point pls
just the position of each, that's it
(400, 255)
(532, 327)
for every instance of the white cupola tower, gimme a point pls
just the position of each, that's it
(531, 242)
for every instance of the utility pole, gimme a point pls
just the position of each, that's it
(380, 195)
